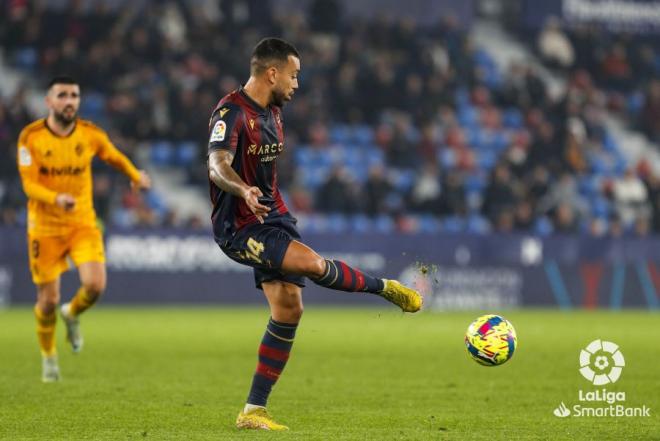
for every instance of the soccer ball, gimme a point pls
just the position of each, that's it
(491, 340)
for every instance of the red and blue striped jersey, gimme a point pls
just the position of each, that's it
(256, 138)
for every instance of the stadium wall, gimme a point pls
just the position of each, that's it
(460, 271)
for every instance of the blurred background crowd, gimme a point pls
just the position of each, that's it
(399, 124)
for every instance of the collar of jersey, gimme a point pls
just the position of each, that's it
(75, 125)
(252, 102)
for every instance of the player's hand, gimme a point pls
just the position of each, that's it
(66, 201)
(144, 183)
(251, 197)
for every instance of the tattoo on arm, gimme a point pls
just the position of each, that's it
(222, 175)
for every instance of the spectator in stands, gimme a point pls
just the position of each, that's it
(152, 69)
(565, 192)
(425, 196)
(500, 197)
(524, 216)
(630, 198)
(554, 46)
(616, 70)
(337, 194)
(452, 196)
(564, 219)
(650, 117)
(377, 190)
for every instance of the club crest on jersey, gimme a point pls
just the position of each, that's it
(218, 132)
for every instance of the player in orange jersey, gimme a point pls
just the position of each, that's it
(55, 163)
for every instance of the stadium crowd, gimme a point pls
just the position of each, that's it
(395, 125)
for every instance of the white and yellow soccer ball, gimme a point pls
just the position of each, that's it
(491, 340)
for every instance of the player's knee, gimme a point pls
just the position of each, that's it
(47, 305)
(94, 287)
(47, 299)
(292, 305)
(316, 267)
(296, 312)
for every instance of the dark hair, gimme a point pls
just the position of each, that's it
(271, 50)
(61, 79)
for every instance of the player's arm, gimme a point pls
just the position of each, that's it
(225, 177)
(227, 121)
(111, 154)
(28, 168)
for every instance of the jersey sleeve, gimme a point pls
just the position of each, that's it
(107, 151)
(29, 170)
(224, 128)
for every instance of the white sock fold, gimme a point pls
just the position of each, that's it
(250, 407)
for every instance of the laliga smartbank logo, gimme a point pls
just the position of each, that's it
(601, 363)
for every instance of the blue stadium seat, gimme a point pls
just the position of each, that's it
(543, 226)
(402, 180)
(462, 97)
(486, 159)
(26, 58)
(337, 223)
(447, 158)
(339, 134)
(590, 186)
(186, 153)
(478, 224)
(610, 144)
(360, 224)
(363, 135)
(501, 140)
(384, 224)
(161, 153)
(453, 224)
(635, 102)
(512, 118)
(428, 224)
(600, 207)
(155, 201)
(468, 116)
(93, 106)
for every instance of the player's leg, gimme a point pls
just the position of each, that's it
(48, 297)
(92, 284)
(335, 274)
(285, 300)
(86, 250)
(47, 262)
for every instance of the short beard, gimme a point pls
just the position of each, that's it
(65, 120)
(277, 99)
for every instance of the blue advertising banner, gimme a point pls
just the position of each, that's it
(455, 271)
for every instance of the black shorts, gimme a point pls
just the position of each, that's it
(262, 246)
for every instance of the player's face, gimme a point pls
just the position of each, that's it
(286, 81)
(63, 101)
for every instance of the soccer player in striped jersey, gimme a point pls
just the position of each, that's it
(55, 163)
(253, 226)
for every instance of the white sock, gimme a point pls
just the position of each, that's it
(250, 407)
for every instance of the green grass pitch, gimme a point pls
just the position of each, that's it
(354, 374)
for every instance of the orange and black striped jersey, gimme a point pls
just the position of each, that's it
(50, 164)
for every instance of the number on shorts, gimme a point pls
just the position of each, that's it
(35, 249)
(255, 249)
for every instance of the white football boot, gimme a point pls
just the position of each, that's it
(73, 334)
(50, 369)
